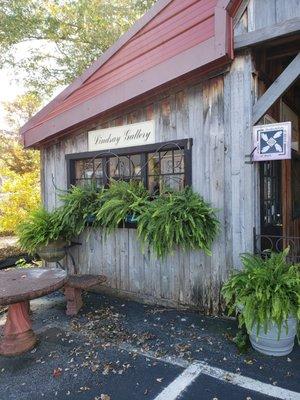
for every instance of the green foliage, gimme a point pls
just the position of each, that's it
(79, 208)
(20, 194)
(40, 228)
(178, 219)
(21, 109)
(242, 341)
(266, 290)
(14, 158)
(172, 219)
(20, 191)
(61, 38)
(120, 200)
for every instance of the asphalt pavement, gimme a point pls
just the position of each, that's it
(122, 350)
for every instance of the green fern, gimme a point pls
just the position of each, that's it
(80, 206)
(120, 200)
(180, 218)
(266, 290)
(40, 228)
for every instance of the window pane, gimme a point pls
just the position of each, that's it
(125, 167)
(119, 167)
(166, 170)
(153, 185)
(166, 162)
(98, 169)
(88, 172)
(88, 169)
(79, 168)
(179, 161)
(153, 164)
(135, 165)
(174, 182)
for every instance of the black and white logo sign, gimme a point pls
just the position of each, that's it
(272, 142)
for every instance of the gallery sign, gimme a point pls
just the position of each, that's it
(122, 136)
(272, 141)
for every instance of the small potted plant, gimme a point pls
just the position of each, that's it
(43, 234)
(178, 219)
(266, 297)
(122, 202)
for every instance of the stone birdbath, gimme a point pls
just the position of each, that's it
(17, 287)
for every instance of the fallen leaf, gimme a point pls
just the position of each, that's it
(105, 397)
(56, 372)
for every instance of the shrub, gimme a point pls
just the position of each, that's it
(178, 219)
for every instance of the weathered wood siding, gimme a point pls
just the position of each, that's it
(217, 115)
(269, 12)
(265, 13)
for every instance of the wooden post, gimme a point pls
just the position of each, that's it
(277, 89)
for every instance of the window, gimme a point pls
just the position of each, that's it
(158, 166)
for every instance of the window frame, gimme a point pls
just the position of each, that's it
(184, 144)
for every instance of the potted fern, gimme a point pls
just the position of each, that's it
(266, 297)
(122, 202)
(178, 218)
(43, 234)
(80, 205)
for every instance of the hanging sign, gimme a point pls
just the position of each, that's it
(122, 136)
(272, 141)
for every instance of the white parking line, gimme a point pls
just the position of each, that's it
(184, 380)
(249, 383)
(192, 371)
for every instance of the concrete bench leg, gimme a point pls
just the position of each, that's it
(74, 300)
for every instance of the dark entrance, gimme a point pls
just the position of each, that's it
(271, 204)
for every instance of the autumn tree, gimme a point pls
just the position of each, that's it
(21, 109)
(19, 168)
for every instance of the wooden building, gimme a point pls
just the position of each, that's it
(205, 71)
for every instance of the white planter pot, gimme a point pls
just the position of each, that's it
(268, 343)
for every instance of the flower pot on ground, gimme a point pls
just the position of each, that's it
(265, 296)
(271, 342)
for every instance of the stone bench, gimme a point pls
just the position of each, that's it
(74, 287)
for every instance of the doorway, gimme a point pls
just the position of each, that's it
(280, 180)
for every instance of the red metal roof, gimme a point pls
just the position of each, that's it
(174, 38)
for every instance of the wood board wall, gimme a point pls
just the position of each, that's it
(216, 114)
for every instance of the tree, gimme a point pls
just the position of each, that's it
(20, 189)
(19, 195)
(65, 36)
(15, 159)
(20, 110)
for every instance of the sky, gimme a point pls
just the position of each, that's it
(9, 89)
